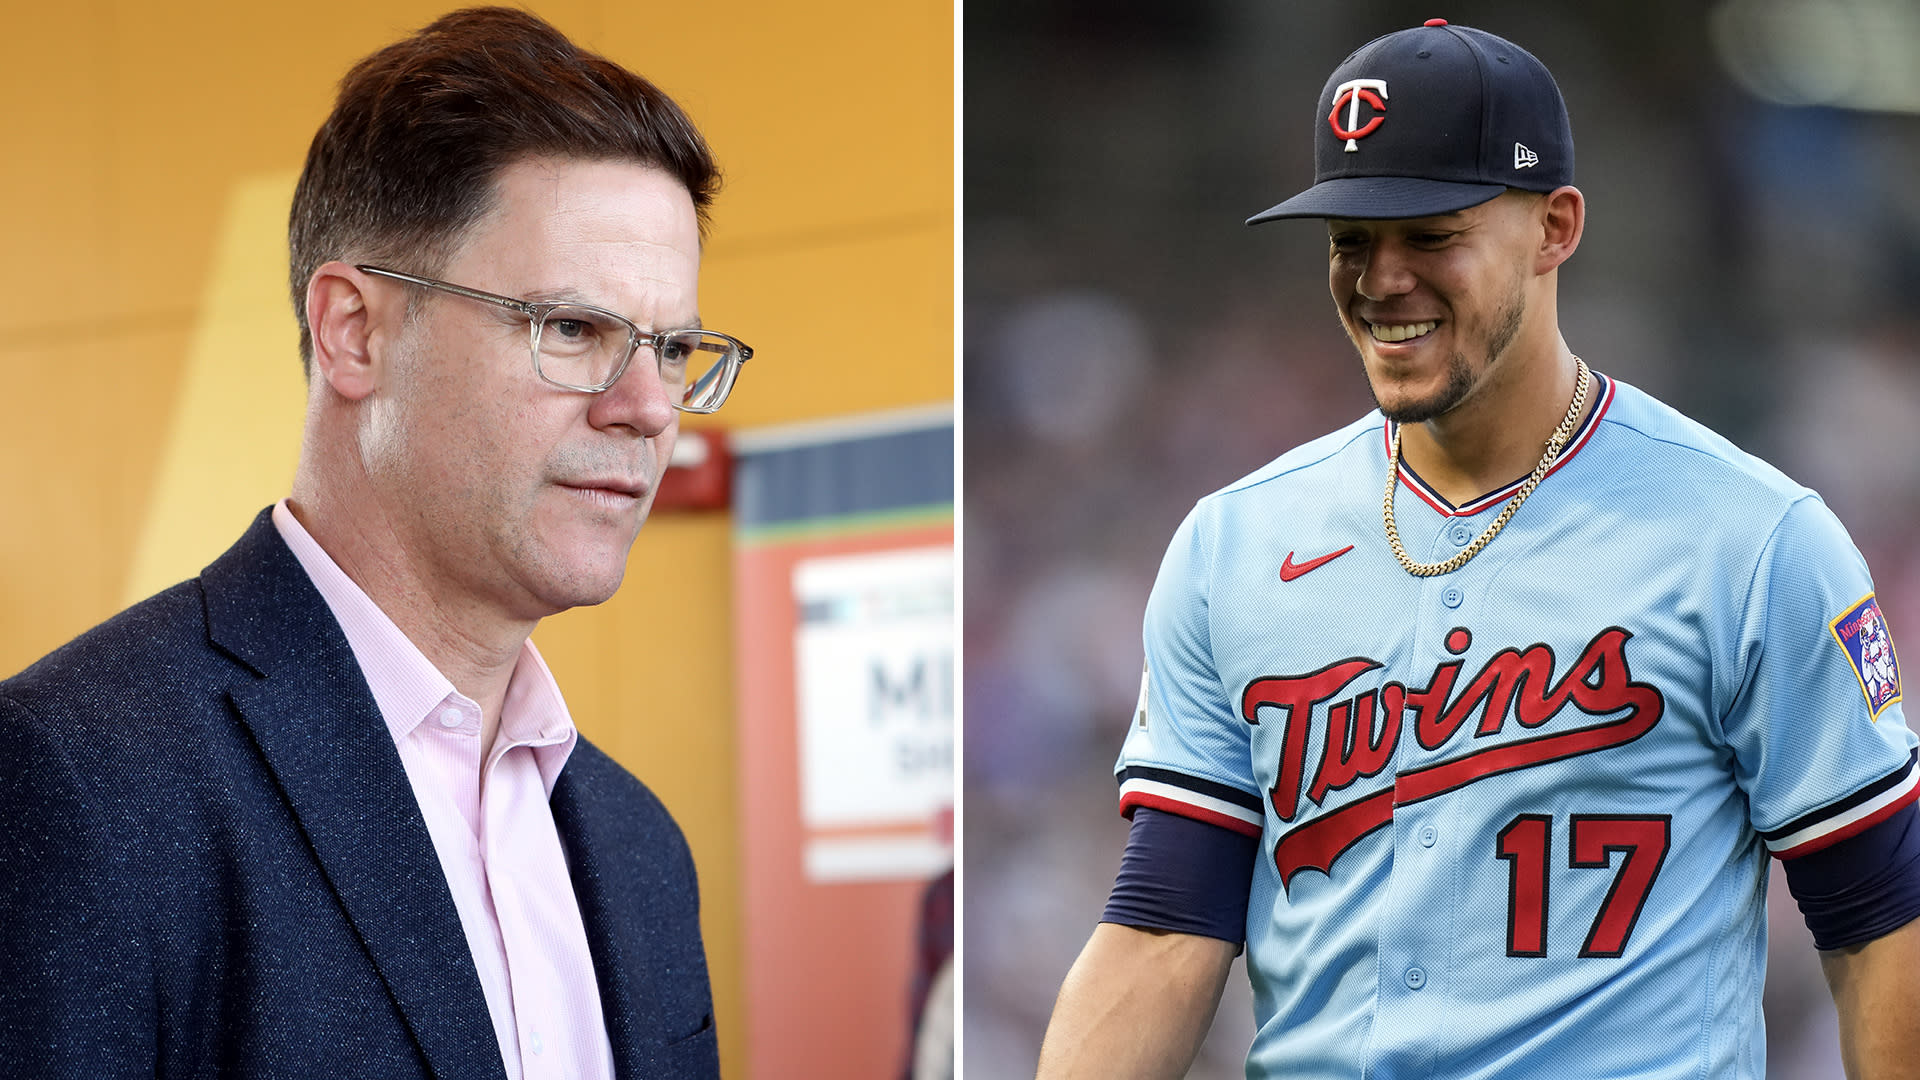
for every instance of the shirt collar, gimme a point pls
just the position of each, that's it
(536, 715)
(406, 686)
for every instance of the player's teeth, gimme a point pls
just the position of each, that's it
(1402, 331)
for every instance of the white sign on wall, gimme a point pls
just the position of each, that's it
(874, 668)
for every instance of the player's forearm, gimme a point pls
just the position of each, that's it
(1874, 989)
(1137, 1004)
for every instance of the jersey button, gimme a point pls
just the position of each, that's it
(1460, 534)
(1453, 597)
(1428, 834)
(1416, 978)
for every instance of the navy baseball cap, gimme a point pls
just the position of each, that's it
(1432, 120)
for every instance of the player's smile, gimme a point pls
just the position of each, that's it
(1394, 333)
(1397, 340)
(1399, 343)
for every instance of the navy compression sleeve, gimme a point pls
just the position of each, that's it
(1863, 887)
(1183, 875)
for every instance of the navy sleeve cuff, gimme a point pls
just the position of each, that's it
(1183, 875)
(1863, 887)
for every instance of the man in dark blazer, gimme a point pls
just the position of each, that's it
(224, 849)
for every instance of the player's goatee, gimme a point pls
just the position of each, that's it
(1459, 385)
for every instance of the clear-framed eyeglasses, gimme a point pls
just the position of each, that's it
(585, 348)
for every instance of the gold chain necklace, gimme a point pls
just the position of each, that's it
(1555, 443)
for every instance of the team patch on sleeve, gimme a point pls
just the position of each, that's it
(1191, 797)
(1862, 632)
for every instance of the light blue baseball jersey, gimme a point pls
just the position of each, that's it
(1513, 820)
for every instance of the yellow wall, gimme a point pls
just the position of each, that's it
(149, 395)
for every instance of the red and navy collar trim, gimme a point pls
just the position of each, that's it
(1496, 498)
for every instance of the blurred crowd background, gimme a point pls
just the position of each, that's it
(1752, 248)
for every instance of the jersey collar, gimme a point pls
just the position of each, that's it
(1499, 496)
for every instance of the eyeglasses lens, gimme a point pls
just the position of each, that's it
(701, 365)
(583, 348)
(580, 347)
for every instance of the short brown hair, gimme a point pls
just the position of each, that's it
(407, 160)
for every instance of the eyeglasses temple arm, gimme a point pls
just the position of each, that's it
(521, 306)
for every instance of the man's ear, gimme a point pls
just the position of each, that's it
(344, 314)
(1563, 219)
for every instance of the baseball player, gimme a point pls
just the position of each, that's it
(1478, 719)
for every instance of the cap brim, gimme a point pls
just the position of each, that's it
(1374, 197)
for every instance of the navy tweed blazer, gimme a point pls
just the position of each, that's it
(212, 864)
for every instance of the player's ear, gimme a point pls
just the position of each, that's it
(1563, 215)
(345, 314)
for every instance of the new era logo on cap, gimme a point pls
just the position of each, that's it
(1472, 115)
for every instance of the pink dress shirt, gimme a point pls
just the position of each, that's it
(491, 826)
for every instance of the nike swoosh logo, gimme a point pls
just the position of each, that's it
(1290, 569)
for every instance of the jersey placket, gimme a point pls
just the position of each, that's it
(1421, 922)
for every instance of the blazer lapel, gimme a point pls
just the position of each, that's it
(316, 723)
(615, 948)
(634, 880)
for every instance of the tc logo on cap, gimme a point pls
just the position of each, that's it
(1350, 94)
